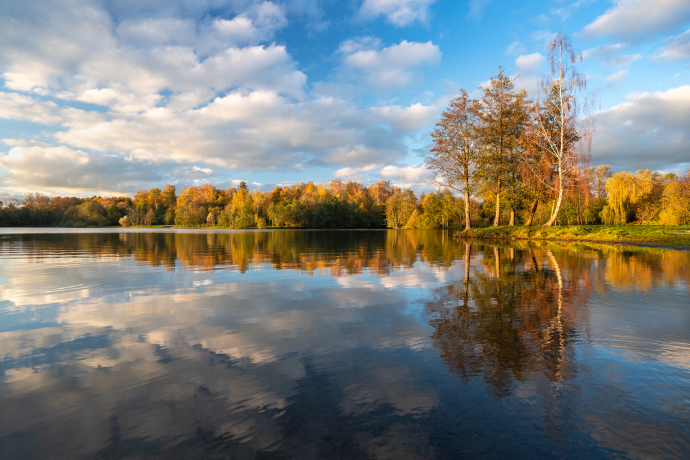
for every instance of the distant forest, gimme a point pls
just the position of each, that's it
(599, 198)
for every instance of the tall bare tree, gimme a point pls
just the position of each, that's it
(456, 149)
(561, 127)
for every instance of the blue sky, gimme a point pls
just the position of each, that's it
(108, 97)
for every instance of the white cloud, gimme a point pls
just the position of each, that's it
(416, 173)
(25, 143)
(677, 48)
(61, 170)
(391, 67)
(40, 45)
(614, 77)
(349, 173)
(398, 12)
(406, 119)
(630, 18)
(15, 106)
(649, 130)
(530, 62)
(602, 52)
(259, 129)
(622, 61)
(202, 170)
(76, 53)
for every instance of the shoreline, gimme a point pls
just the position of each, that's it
(648, 236)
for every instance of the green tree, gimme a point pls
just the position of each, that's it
(502, 116)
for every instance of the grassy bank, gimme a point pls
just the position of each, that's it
(648, 235)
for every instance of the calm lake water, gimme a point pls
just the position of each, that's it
(339, 344)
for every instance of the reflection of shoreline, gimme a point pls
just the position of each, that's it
(341, 253)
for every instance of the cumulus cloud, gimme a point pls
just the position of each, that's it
(391, 67)
(530, 62)
(637, 18)
(15, 106)
(602, 52)
(398, 12)
(415, 174)
(406, 119)
(61, 170)
(39, 45)
(258, 130)
(677, 48)
(649, 130)
(353, 173)
(75, 52)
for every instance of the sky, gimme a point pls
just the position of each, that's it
(109, 97)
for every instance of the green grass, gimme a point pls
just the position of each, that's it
(655, 235)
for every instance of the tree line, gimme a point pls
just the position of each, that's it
(599, 198)
(336, 204)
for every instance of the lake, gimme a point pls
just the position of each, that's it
(283, 344)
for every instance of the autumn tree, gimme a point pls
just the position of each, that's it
(536, 172)
(400, 207)
(558, 128)
(633, 197)
(598, 177)
(502, 119)
(676, 201)
(454, 156)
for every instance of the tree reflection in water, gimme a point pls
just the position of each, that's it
(519, 318)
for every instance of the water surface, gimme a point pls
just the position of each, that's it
(345, 344)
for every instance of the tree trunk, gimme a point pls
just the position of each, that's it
(498, 209)
(554, 215)
(512, 218)
(468, 223)
(498, 262)
(532, 212)
(467, 263)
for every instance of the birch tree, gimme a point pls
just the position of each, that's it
(561, 128)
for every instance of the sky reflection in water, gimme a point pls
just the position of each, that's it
(314, 344)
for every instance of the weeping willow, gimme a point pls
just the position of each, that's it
(633, 197)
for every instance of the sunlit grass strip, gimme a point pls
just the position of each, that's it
(633, 234)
